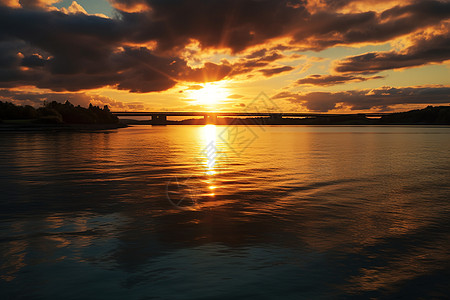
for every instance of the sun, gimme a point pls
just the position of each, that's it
(210, 93)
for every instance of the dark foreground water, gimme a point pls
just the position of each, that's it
(183, 212)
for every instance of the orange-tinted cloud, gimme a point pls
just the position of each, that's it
(328, 80)
(131, 6)
(74, 8)
(10, 3)
(29, 4)
(274, 71)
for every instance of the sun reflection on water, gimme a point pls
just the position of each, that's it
(210, 148)
(209, 135)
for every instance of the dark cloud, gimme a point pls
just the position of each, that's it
(372, 27)
(273, 71)
(238, 25)
(233, 24)
(35, 4)
(72, 63)
(327, 80)
(34, 60)
(434, 49)
(142, 71)
(74, 50)
(77, 52)
(366, 99)
(254, 61)
(256, 54)
(334, 4)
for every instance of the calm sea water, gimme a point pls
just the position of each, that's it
(193, 212)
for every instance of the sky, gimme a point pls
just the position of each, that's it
(219, 55)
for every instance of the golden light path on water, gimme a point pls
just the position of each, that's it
(209, 153)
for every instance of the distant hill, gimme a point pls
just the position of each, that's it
(432, 115)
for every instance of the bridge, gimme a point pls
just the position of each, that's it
(160, 118)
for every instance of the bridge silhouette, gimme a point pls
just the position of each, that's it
(160, 118)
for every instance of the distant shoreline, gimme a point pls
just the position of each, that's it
(439, 115)
(66, 117)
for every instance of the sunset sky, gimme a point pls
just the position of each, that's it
(155, 55)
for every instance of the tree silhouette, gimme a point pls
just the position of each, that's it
(55, 112)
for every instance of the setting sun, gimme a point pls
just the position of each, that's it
(209, 93)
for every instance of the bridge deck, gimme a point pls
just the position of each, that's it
(239, 114)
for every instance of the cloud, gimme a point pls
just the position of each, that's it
(239, 105)
(135, 69)
(232, 24)
(273, 71)
(425, 50)
(134, 6)
(29, 4)
(74, 8)
(381, 98)
(238, 25)
(83, 52)
(257, 60)
(326, 29)
(328, 80)
(235, 96)
(73, 51)
(10, 3)
(352, 5)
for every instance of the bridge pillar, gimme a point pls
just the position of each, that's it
(276, 116)
(210, 118)
(159, 119)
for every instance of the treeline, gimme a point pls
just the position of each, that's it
(58, 113)
(439, 115)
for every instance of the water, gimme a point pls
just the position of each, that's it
(292, 212)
